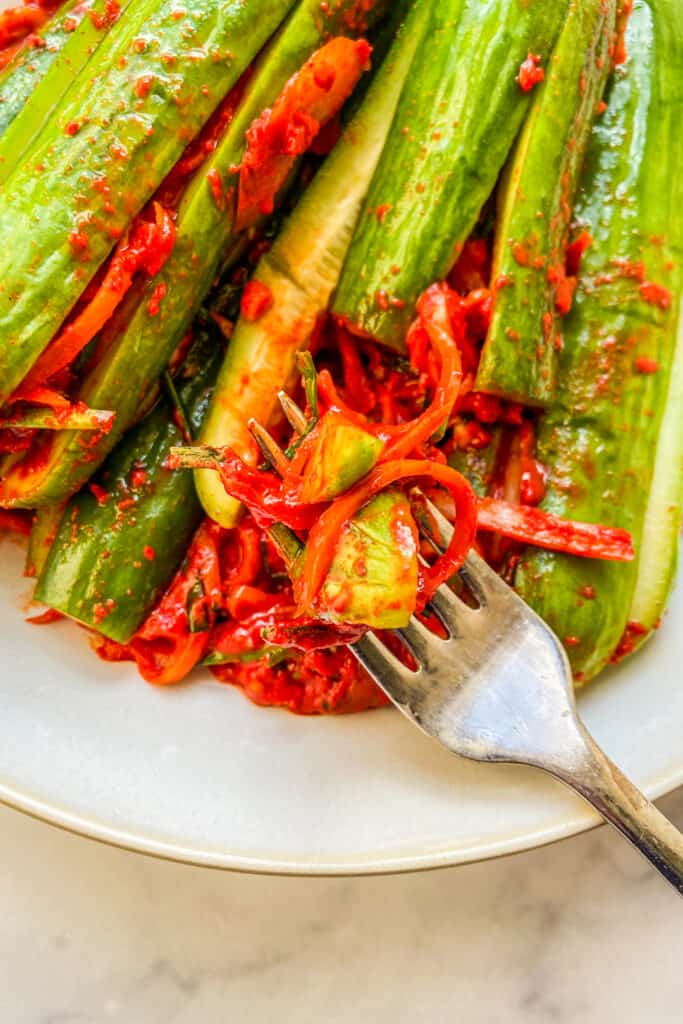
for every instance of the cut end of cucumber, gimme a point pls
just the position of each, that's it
(218, 505)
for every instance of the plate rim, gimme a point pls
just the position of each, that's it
(367, 865)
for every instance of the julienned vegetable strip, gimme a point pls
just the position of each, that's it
(301, 272)
(531, 285)
(545, 530)
(458, 117)
(147, 247)
(124, 123)
(139, 340)
(275, 140)
(601, 439)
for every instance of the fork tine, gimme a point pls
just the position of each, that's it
(450, 610)
(419, 639)
(483, 583)
(295, 417)
(379, 661)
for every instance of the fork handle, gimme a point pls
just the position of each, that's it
(603, 785)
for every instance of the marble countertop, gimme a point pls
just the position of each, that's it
(578, 933)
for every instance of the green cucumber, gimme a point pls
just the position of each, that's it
(302, 270)
(610, 425)
(478, 464)
(21, 76)
(373, 577)
(150, 86)
(136, 344)
(123, 537)
(459, 114)
(519, 360)
(38, 85)
(659, 542)
(44, 529)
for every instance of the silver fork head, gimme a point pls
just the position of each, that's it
(498, 688)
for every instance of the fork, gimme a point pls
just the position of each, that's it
(499, 689)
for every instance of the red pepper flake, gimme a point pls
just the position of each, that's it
(101, 496)
(564, 295)
(138, 477)
(572, 641)
(520, 254)
(600, 108)
(503, 281)
(588, 592)
(530, 73)
(79, 241)
(149, 553)
(632, 638)
(645, 365)
(257, 299)
(72, 128)
(382, 299)
(100, 611)
(383, 210)
(655, 294)
(112, 9)
(158, 295)
(575, 251)
(216, 186)
(547, 324)
(143, 85)
(125, 503)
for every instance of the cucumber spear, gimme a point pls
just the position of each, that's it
(458, 117)
(612, 439)
(519, 360)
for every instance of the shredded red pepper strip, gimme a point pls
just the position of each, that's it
(311, 98)
(147, 247)
(438, 322)
(546, 530)
(164, 648)
(39, 395)
(322, 539)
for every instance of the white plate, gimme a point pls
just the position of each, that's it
(197, 773)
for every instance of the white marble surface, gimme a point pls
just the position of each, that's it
(578, 933)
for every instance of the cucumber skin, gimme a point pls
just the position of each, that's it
(302, 270)
(25, 71)
(535, 216)
(600, 438)
(49, 81)
(128, 556)
(478, 465)
(138, 346)
(40, 210)
(434, 177)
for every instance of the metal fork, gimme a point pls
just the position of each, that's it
(499, 689)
